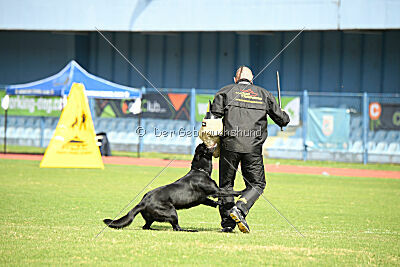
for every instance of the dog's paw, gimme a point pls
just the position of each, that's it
(215, 204)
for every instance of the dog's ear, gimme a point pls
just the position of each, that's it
(196, 157)
(200, 148)
(204, 148)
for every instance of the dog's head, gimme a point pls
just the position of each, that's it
(203, 157)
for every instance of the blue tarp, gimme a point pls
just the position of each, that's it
(60, 85)
(328, 128)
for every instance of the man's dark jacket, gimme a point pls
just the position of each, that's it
(244, 108)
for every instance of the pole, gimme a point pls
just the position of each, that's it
(91, 106)
(140, 141)
(5, 131)
(41, 131)
(279, 91)
(140, 137)
(365, 128)
(193, 119)
(305, 123)
(5, 104)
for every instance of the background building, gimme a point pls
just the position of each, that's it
(348, 46)
(189, 49)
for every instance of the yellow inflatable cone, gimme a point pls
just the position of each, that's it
(73, 144)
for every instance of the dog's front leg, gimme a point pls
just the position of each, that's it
(227, 193)
(210, 202)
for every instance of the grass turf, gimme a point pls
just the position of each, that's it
(51, 216)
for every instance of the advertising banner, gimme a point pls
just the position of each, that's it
(384, 116)
(32, 105)
(202, 105)
(154, 105)
(292, 106)
(328, 128)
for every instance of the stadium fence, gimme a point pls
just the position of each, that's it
(350, 127)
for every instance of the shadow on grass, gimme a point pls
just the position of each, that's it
(168, 228)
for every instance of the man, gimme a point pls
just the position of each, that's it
(244, 108)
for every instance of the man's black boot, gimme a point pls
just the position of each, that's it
(237, 216)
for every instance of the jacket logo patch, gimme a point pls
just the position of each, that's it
(248, 94)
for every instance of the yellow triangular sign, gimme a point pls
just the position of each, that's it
(73, 144)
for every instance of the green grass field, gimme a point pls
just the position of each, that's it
(51, 216)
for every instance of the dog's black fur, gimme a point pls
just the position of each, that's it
(189, 191)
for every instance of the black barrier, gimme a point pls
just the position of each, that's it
(104, 145)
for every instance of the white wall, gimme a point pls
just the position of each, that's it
(195, 15)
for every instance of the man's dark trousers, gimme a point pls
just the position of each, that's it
(252, 168)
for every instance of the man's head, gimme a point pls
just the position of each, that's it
(243, 73)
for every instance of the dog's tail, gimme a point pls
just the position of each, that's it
(126, 220)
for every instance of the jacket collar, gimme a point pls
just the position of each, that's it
(244, 82)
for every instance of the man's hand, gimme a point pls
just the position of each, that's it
(286, 118)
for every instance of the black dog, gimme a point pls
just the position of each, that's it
(189, 191)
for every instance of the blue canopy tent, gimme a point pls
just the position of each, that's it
(60, 84)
